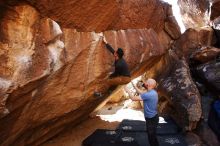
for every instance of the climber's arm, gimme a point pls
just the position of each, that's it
(109, 47)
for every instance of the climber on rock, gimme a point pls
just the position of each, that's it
(121, 75)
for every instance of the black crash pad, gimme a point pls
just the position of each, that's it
(169, 127)
(132, 125)
(171, 140)
(140, 137)
(114, 144)
(102, 137)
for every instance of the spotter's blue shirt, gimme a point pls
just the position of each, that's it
(150, 100)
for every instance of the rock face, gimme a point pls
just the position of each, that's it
(27, 45)
(172, 27)
(216, 28)
(30, 51)
(48, 74)
(205, 54)
(204, 131)
(180, 96)
(178, 87)
(193, 139)
(215, 9)
(210, 74)
(191, 40)
(194, 13)
(98, 15)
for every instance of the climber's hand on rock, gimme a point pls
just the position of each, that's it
(100, 34)
(104, 39)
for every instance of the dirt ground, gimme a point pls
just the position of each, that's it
(75, 136)
(108, 117)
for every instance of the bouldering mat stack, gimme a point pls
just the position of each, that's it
(171, 140)
(103, 137)
(139, 137)
(132, 125)
(167, 127)
(133, 133)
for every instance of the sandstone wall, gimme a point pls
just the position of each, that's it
(99, 16)
(53, 59)
(49, 71)
(195, 13)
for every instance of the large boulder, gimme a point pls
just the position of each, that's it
(98, 15)
(27, 44)
(215, 9)
(193, 39)
(203, 131)
(49, 74)
(172, 27)
(216, 28)
(205, 54)
(209, 73)
(182, 94)
(194, 12)
(193, 139)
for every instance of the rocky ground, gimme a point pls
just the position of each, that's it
(75, 136)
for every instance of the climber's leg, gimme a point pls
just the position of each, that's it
(111, 84)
